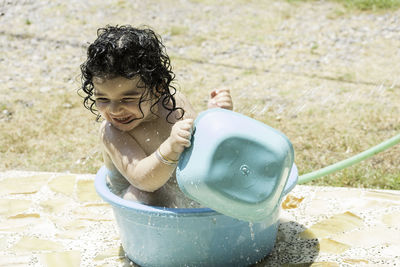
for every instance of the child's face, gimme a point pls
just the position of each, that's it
(117, 100)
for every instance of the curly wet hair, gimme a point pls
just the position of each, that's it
(125, 51)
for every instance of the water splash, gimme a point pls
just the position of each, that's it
(251, 230)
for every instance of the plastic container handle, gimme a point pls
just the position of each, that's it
(292, 180)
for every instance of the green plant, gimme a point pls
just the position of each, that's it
(371, 4)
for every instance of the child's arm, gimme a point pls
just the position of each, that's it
(147, 173)
(220, 98)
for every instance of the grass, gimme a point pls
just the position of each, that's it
(48, 135)
(364, 5)
(329, 112)
(373, 5)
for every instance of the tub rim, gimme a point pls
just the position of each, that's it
(104, 192)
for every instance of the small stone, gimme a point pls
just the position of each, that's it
(355, 261)
(383, 195)
(86, 191)
(369, 237)
(11, 207)
(332, 246)
(392, 219)
(317, 207)
(113, 252)
(334, 225)
(24, 216)
(63, 184)
(15, 261)
(62, 259)
(23, 185)
(30, 244)
(54, 205)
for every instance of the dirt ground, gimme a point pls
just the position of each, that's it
(325, 76)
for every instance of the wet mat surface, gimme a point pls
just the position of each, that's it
(54, 219)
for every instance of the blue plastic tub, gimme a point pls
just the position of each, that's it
(157, 236)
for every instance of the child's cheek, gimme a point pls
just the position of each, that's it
(100, 105)
(132, 105)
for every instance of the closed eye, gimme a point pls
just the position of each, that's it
(130, 99)
(102, 100)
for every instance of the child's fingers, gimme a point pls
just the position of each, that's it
(187, 144)
(186, 124)
(218, 92)
(226, 106)
(224, 103)
(188, 120)
(185, 134)
(223, 99)
(185, 127)
(188, 128)
(212, 104)
(222, 96)
(223, 92)
(183, 141)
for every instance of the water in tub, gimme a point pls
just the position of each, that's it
(169, 195)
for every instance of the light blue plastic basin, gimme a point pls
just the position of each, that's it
(236, 165)
(157, 236)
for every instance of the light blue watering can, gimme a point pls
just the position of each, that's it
(236, 165)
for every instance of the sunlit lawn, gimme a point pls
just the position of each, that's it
(328, 115)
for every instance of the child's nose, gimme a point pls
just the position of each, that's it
(115, 106)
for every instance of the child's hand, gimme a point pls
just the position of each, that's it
(220, 98)
(180, 136)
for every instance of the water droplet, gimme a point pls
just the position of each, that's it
(251, 230)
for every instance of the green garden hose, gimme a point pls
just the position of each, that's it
(350, 161)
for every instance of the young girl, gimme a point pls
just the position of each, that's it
(147, 123)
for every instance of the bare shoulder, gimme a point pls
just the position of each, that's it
(183, 102)
(107, 131)
(119, 148)
(110, 137)
(105, 127)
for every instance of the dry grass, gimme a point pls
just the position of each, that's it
(48, 132)
(332, 97)
(366, 5)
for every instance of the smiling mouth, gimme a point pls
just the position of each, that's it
(124, 120)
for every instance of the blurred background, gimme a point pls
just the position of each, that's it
(325, 73)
